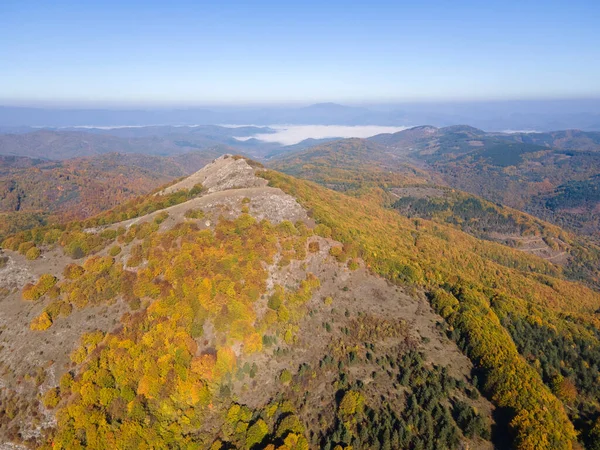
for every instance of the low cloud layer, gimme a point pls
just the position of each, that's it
(292, 134)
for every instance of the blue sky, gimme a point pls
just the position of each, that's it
(265, 52)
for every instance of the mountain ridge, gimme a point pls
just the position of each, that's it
(237, 197)
(323, 261)
(505, 115)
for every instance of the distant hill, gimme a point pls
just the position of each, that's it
(497, 116)
(418, 190)
(34, 191)
(534, 172)
(51, 144)
(348, 163)
(561, 140)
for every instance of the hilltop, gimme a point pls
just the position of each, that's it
(243, 308)
(284, 309)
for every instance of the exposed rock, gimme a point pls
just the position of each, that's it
(225, 172)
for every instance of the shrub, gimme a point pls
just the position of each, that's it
(285, 377)
(323, 230)
(51, 398)
(289, 337)
(114, 250)
(196, 190)
(66, 381)
(66, 309)
(314, 247)
(134, 304)
(256, 433)
(351, 403)
(353, 264)
(336, 251)
(33, 253)
(136, 257)
(45, 282)
(73, 271)
(53, 310)
(96, 264)
(287, 228)
(108, 234)
(289, 424)
(54, 292)
(29, 292)
(41, 323)
(35, 291)
(24, 247)
(283, 314)
(194, 214)
(52, 236)
(75, 250)
(11, 243)
(275, 300)
(161, 217)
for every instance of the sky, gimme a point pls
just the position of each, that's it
(189, 53)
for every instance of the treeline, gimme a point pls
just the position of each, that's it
(471, 214)
(575, 194)
(433, 415)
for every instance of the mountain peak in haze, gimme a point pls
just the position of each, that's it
(329, 105)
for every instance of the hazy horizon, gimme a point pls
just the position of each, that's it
(96, 105)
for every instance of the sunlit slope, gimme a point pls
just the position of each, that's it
(347, 164)
(486, 292)
(360, 167)
(227, 313)
(219, 315)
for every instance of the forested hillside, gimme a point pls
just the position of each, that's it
(357, 166)
(245, 308)
(551, 175)
(516, 320)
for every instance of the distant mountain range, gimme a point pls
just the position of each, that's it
(163, 141)
(498, 116)
(74, 142)
(551, 175)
